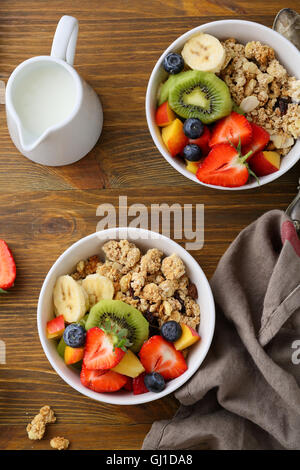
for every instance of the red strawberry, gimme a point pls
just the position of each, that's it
(202, 141)
(158, 355)
(128, 386)
(102, 381)
(232, 128)
(224, 166)
(100, 352)
(138, 385)
(7, 266)
(259, 140)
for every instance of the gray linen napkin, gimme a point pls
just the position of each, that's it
(246, 393)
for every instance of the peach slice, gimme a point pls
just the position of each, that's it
(192, 166)
(189, 336)
(56, 327)
(73, 355)
(164, 115)
(174, 137)
(265, 163)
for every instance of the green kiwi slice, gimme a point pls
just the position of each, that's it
(200, 95)
(163, 94)
(122, 315)
(61, 347)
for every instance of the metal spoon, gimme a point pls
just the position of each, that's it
(287, 23)
(293, 211)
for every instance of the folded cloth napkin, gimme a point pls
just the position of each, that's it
(246, 393)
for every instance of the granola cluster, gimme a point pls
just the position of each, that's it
(84, 268)
(156, 285)
(59, 443)
(264, 90)
(36, 429)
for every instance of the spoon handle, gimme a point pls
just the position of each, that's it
(293, 211)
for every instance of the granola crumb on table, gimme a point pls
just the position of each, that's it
(59, 443)
(48, 414)
(36, 429)
(252, 71)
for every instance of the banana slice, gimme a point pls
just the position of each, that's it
(204, 52)
(98, 288)
(70, 299)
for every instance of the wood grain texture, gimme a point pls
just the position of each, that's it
(44, 210)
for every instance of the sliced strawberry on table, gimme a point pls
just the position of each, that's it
(224, 166)
(102, 381)
(7, 267)
(138, 385)
(203, 141)
(102, 349)
(158, 355)
(260, 138)
(231, 129)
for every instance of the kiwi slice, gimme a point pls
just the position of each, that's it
(61, 347)
(124, 316)
(202, 95)
(82, 322)
(163, 94)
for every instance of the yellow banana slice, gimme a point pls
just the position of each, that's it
(98, 288)
(204, 52)
(70, 299)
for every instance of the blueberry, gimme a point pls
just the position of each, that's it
(74, 335)
(173, 63)
(193, 128)
(192, 152)
(171, 331)
(154, 382)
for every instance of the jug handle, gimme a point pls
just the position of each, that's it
(65, 38)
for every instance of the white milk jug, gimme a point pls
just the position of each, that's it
(53, 116)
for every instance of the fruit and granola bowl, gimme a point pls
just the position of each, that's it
(126, 316)
(223, 104)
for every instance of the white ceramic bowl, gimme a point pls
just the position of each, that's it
(244, 31)
(144, 239)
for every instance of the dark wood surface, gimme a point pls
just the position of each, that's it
(44, 210)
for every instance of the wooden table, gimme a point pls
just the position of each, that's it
(44, 210)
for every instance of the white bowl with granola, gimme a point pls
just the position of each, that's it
(261, 69)
(148, 272)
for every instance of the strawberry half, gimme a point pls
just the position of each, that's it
(138, 385)
(129, 384)
(233, 128)
(102, 381)
(224, 166)
(259, 140)
(158, 355)
(203, 141)
(7, 266)
(101, 350)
